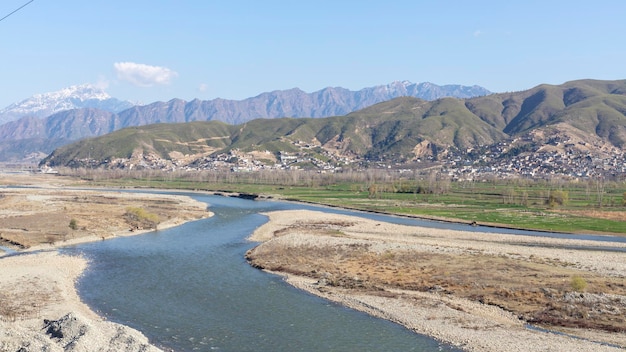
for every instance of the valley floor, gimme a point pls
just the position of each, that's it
(474, 290)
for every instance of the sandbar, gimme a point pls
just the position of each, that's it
(451, 285)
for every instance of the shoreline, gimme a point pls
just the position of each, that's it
(499, 338)
(457, 321)
(40, 308)
(45, 311)
(33, 217)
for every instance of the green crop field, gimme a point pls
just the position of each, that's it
(563, 206)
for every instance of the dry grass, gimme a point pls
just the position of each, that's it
(535, 289)
(15, 305)
(29, 217)
(599, 214)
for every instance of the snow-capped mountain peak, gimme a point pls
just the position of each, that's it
(82, 92)
(73, 97)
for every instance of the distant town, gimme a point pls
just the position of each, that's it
(501, 160)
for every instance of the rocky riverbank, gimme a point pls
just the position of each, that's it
(478, 291)
(40, 309)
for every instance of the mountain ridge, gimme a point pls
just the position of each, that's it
(90, 122)
(578, 122)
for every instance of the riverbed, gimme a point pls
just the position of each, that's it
(189, 288)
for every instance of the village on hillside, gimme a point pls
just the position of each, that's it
(501, 160)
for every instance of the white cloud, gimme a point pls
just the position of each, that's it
(203, 87)
(143, 75)
(478, 33)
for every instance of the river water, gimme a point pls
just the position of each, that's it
(189, 288)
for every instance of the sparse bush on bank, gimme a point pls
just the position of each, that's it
(140, 218)
(578, 283)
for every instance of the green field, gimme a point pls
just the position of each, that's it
(573, 207)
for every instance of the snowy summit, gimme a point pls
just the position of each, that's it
(74, 97)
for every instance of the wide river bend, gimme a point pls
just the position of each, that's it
(189, 288)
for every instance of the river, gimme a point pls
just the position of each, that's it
(189, 288)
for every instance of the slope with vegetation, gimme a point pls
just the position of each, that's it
(585, 116)
(75, 122)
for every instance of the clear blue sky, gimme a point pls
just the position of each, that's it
(161, 49)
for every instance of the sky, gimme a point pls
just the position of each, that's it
(156, 50)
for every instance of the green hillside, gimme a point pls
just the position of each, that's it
(401, 130)
(161, 139)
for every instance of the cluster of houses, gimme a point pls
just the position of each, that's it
(502, 160)
(538, 162)
(238, 161)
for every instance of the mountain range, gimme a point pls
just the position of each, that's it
(585, 118)
(84, 111)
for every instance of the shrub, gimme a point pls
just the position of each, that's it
(373, 191)
(73, 224)
(141, 218)
(557, 198)
(578, 283)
